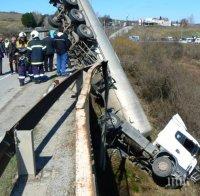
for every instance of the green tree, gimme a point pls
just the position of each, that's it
(28, 20)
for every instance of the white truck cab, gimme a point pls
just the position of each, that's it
(181, 147)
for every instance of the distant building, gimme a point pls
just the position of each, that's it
(165, 22)
(176, 24)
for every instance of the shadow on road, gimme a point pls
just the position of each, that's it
(6, 73)
(42, 161)
(50, 135)
(19, 186)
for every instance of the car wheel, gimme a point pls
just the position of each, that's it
(162, 167)
(76, 16)
(84, 31)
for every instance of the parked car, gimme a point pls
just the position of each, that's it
(197, 41)
(190, 40)
(183, 41)
(134, 38)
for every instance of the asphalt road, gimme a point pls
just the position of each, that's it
(54, 136)
(15, 101)
(8, 84)
(54, 142)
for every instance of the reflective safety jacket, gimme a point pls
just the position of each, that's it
(36, 51)
(20, 45)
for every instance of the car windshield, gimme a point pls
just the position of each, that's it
(188, 144)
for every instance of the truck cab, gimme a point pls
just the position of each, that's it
(179, 145)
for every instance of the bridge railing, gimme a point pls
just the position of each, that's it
(85, 179)
(32, 118)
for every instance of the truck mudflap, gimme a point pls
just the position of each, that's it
(195, 176)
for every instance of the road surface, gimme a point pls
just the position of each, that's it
(54, 138)
(15, 101)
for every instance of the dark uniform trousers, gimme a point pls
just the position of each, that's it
(48, 62)
(38, 71)
(23, 68)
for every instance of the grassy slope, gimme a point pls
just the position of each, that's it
(7, 179)
(10, 23)
(166, 78)
(161, 32)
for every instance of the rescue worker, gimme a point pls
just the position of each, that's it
(23, 63)
(36, 53)
(62, 45)
(48, 61)
(12, 54)
(2, 51)
(7, 44)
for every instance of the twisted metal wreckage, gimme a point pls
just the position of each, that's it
(125, 126)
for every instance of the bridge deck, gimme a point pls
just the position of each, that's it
(55, 152)
(15, 101)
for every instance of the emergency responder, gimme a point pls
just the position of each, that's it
(48, 61)
(36, 53)
(7, 44)
(23, 63)
(62, 45)
(12, 54)
(2, 51)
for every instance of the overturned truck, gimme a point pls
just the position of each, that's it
(173, 155)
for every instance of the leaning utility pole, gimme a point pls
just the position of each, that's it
(130, 105)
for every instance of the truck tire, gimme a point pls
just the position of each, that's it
(76, 16)
(162, 167)
(52, 22)
(84, 32)
(70, 3)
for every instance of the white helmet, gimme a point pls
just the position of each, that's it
(34, 34)
(22, 35)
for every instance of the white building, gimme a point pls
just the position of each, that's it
(156, 21)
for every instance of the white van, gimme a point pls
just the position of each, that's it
(197, 41)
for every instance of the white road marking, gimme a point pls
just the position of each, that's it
(5, 77)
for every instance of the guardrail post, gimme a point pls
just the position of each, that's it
(25, 152)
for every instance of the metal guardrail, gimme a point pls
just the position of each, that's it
(85, 180)
(32, 118)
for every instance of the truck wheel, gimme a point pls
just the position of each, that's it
(162, 167)
(84, 31)
(52, 21)
(76, 16)
(70, 2)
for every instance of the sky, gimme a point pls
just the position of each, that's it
(118, 9)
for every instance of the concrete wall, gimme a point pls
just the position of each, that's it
(85, 181)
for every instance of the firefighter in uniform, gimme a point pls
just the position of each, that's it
(36, 53)
(22, 60)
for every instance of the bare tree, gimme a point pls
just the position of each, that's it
(184, 22)
(191, 19)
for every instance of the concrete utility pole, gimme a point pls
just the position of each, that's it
(130, 104)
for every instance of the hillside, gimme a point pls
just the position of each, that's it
(166, 79)
(157, 33)
(10, 23)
